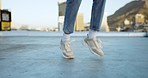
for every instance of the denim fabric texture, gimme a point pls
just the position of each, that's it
(72, 7)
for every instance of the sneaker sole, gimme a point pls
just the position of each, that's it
(86, 45)
(66, 57)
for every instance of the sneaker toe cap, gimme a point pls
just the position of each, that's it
(98, 52)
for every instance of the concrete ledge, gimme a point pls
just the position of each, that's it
(56, 34)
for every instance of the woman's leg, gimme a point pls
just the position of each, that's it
(97, 14)
(72, 8)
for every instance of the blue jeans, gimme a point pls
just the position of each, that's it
(72, 7)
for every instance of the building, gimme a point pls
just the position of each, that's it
(140, 23)
(79, 24)
(126, 22)
(86, 26)
(0, 4)
(5, 19)
(61, 6)
(146, 2)
(104, 26)
(139, 19)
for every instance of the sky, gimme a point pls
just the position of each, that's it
(44, 13)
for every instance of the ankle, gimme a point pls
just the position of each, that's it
(66, 37)
(92, 34)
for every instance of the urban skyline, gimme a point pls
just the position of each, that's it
(42, 14)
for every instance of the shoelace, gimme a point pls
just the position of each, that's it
(67, 46)
(97, 42)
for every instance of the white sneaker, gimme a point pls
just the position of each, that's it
(66, 49)
(95, 46)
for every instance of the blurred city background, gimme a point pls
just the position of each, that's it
(48, 15)
(31, 30)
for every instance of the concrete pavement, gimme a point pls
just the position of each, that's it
(40, 57)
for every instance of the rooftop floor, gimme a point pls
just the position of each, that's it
(40, 57)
